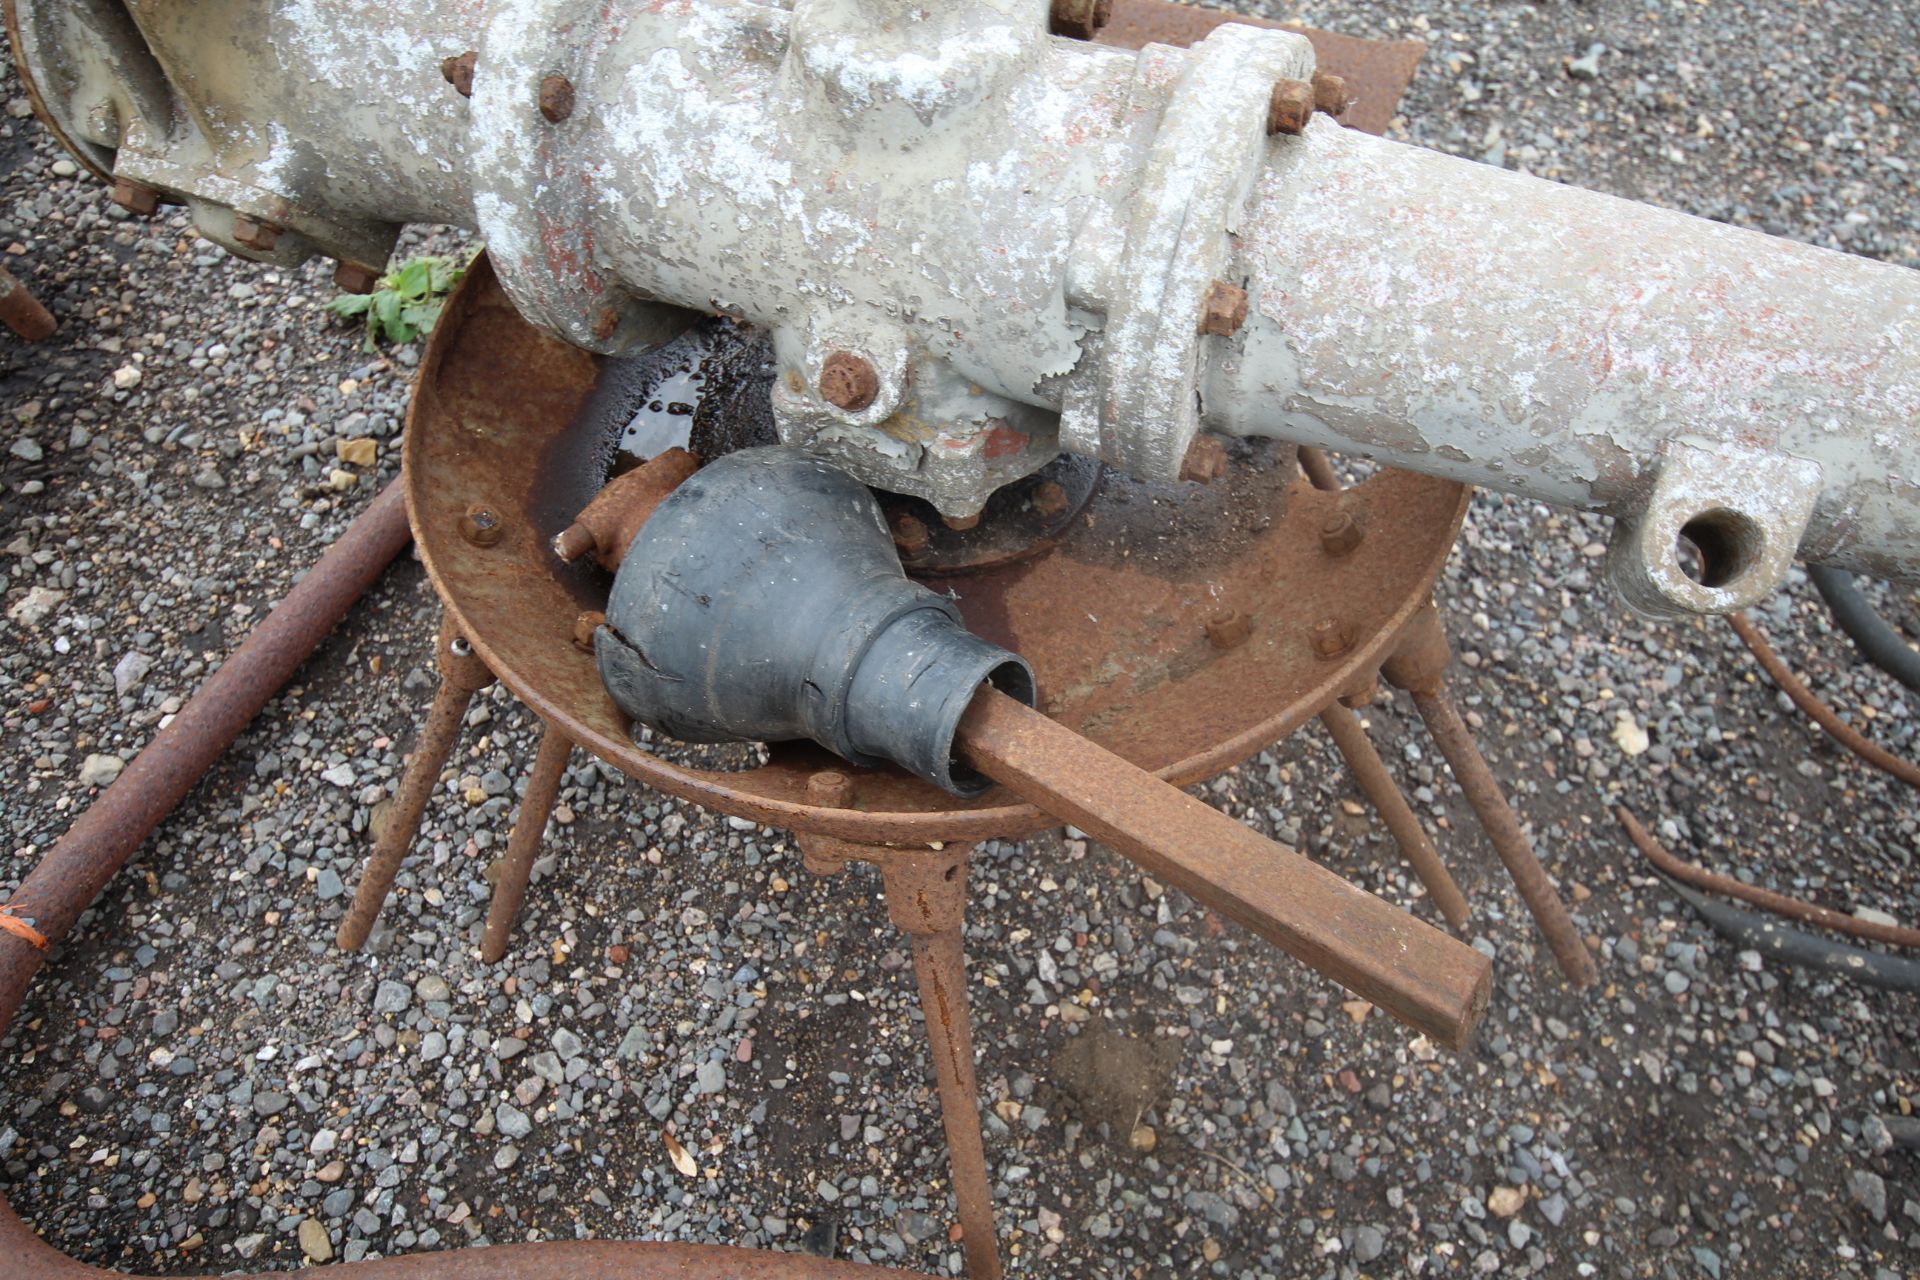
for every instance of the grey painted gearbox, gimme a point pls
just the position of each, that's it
(1009, 236)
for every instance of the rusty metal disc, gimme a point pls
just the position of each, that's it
(1114, 616)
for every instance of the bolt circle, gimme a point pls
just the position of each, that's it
(481, 526)
(910, 534)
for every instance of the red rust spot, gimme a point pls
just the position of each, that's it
(1003, 441)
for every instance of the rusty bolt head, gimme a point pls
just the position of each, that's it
(1223, 310)
(1079, 19)
(351, 277)
(1049, 498)
(848, 382)
(583, 628)
(960, 524)
(830, 789)
(255, 234)
(1290, 107)
(1229, 630)
(910, 533)
(556, 98)
(1330, 95)
(135, 197)
(459, 71)
(606, 321)
(1339, 533)
(1206, 460)
(1331, 638)
(481, 526)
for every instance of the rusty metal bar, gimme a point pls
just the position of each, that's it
(1371, 772)
(926, 900)
(1434, 983)
(1483, 792)
(543, 788)
(81, 862)
(1778, 903)
(461, 676)
(21, 312)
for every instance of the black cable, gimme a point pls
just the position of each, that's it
(1802, 950)
(1877, 640)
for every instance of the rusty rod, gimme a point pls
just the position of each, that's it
(1371, 772)
(926, 900)
(1316, 468)
(21, 312)
(1434, 983)
(81, 862)
(1816, 710)
(1779, 904)
(543, 788)
(1451, 735)
(461, 676)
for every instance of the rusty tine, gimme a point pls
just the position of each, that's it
(1432, 982)
(461, 676)
(1318, 471)
(1370, 771)
(543, 788)
(21, 312)
(1455, 740)
(926, 900)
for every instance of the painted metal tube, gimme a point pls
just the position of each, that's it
(1586, 351)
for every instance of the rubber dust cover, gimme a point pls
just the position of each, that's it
(764, 601)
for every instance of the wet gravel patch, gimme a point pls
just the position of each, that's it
(201, 1082)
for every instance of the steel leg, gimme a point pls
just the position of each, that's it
(543, 788)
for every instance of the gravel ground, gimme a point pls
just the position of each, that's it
(200, 1081)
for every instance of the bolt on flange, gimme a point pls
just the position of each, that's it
(848, 381)
(481, 526)
(1330, 638)
(1078, 19)
(255, 233)
(556, 99)
(135, 197)
(1290, 107)
(458, 71)
(1339, 533)
(1223, 310)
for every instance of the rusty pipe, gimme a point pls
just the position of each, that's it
(24, 1254)
(1503, 830)
(77, 868)
(461, 676)
(21, 312)
(1370, 771)
(543, 788)
(1434, 983)
(1779, 904)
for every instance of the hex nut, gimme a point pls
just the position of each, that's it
(135, 197)
(1290, 107)
(1223, 310)
(352, 277)
(1078, 19)
(960, 524)
(1330, 96)
(255, 234)
(848, 382)
(1206, 460)
(1339, 533)
(481, 526)
(556, 98)
(1229, 630)
(830, 789)
(583, 628)
(458, 71)
(1050, 498)
(1330, 638)
(910, 533)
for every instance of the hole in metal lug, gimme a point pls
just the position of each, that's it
(1716, 548)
